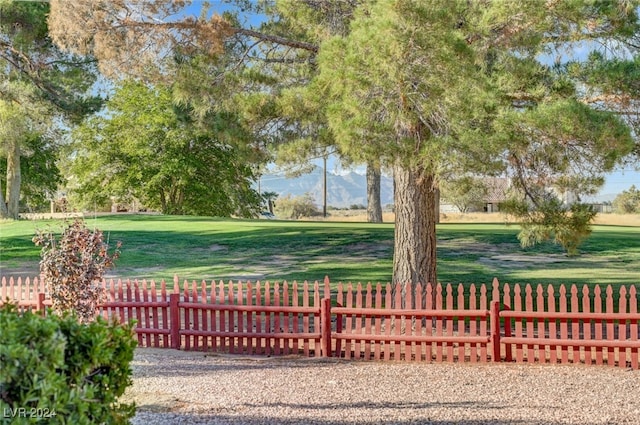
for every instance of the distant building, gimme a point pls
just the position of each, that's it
(497, 191)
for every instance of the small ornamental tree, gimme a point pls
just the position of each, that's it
(72, 268)
(627, 202)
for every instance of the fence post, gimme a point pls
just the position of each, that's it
(40, 305)
(494, 320)
(325, 327)
(174, 314)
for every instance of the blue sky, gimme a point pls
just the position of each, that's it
(618, 182)
(615, 182)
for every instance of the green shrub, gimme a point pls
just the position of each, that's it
(296, 207)
(56, 370)
(627, 202)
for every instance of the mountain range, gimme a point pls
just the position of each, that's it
(347, 189)
(343, 190)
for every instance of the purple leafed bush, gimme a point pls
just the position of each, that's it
(73, 267)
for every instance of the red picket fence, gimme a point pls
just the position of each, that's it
(441, 323)
(373, 324)
(580, 328)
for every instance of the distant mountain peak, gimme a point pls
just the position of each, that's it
(343, 190)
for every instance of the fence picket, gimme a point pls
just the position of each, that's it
(120, 297)
(517, 306)
(439, 320)
(155, 323)
(137, 309)
(186, 315)
(26, 291)
(586, 324)
(387, 323)
(348, 321)
(378, 322)
(633, 326)
(396, 322)
(339, 318)
(260, 318)
(622, 327)
(367, 322)
(406, 324)
(231, 318)
(250, 323)
(553, 329)
(296, 318)
(564, 331)
(358, 322)
(305, 316)
(15, 284)
(285, 323)
(222, 316)
(429, 322)
(239, 297)
(531, 357)
(575, 324)
(276, 321)
(611, 361)
(542, 332)
(317, 326)
(508, 304)
(419, 349)
(4, 288)
(462, 347)
(449, 323)
(597, 308)
(484, 332)
(146, 313)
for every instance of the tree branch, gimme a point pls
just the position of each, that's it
(277, 39)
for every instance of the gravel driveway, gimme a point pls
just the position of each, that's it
(176, 387)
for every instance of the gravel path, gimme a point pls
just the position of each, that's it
(175, 387)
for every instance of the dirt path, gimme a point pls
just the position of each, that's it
(175, 387)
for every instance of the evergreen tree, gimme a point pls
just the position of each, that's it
(428, 88)
(42, 87)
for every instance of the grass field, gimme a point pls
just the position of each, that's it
(204, 248)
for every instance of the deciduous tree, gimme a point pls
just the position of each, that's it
(628, 202)
(144, 146)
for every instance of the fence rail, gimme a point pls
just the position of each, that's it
(373, 322)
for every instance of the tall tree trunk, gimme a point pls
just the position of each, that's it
(374, 206)
(4, 213)
(437, 201)
(414, 255)
(14, 179)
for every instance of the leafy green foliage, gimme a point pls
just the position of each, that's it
(552, 220)
(40, 173)
(295, 207)
(65, 371)
(466, 193)
(628, 202)
(148, 148)
(73, 267)
(43, 91)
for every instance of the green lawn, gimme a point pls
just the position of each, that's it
(205, 248)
